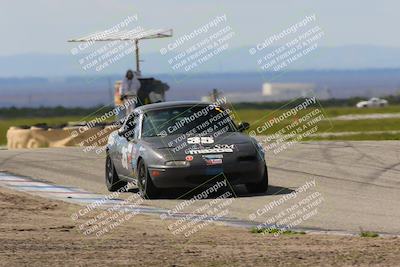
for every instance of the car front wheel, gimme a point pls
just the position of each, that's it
(113, 182)
(146, 187)
(261, 186)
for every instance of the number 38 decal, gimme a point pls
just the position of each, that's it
(200, 140)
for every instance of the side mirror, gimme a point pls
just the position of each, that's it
(243, 126)
(126, 132)
(121, 131)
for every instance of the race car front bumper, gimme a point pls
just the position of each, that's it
(195, 175)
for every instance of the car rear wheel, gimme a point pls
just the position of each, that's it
(146, 187)
(113, 182)
(261, 186)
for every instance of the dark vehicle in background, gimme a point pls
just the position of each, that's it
(183, 145)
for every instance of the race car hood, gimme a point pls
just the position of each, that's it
(172, 141)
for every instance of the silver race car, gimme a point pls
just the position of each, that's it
(183, 145)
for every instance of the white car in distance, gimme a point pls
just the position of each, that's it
(373, 102)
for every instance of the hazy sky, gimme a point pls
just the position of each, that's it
(45, 25)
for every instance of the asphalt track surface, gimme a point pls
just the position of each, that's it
(358, 181)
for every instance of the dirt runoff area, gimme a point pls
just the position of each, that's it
(39, 232)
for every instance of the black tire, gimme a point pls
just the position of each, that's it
(113, 182)
(146, 187)
(260, 187)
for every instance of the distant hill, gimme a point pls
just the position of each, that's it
(89, 91)
(51, 80)
(232, 60)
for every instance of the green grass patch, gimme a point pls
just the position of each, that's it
(257, 118)
(334, 112)
(343, 126)
(251, 115)
(362, 125)
(256, 230)
(368, 234)
(357, 137)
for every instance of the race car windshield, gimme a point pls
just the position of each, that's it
(187, 120)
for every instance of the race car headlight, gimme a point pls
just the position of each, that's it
(260, 147)
(261, 151)
(177, 163)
